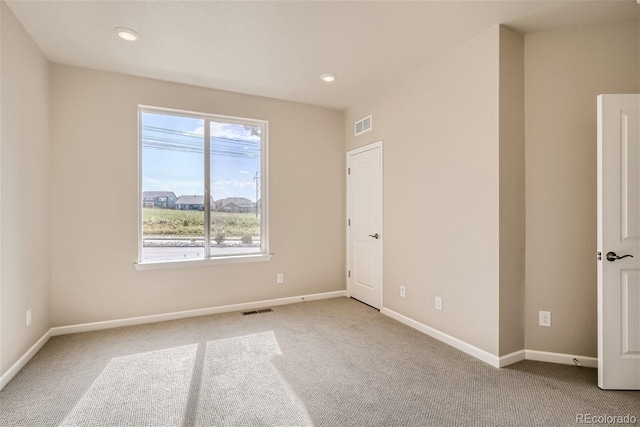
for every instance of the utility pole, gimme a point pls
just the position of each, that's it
(256, 178)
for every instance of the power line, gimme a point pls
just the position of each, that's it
(159, 139)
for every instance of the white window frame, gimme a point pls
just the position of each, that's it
(264, 254)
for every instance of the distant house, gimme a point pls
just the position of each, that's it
(191, 203)
(235, 204)
(159, 199)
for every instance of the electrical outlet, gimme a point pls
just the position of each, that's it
(438, 303)
(545, 319)
(280, 278)
(28, 317)
(403, 292)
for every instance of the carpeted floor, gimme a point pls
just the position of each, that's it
(326, 363)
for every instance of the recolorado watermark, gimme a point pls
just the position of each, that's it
(606, 419)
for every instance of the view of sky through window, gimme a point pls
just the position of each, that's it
(173, 157)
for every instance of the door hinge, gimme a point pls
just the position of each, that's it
(349, 273)
(348, 171)
(349, 222)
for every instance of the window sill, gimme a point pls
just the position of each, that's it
(201, 262)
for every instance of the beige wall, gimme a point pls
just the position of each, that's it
(94, 201)
(512, 191)
(565, 71)
(461, 139)
(440, 131)
(24, 178)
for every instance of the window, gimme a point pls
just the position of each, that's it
(203, 183)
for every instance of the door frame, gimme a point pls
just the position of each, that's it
(375, 145)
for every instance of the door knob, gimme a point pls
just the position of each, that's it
(375, 236)
(611, 256)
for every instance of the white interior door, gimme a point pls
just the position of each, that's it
(619, 242)
(364, 224)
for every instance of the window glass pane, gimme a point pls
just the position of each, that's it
(172, 187)
(235, 188)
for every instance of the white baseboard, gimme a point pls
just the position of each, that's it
(491, 359)
(108, 324)
(474, 351)
(563, 359)
(85, 327)
(15, 368)
(511, 358)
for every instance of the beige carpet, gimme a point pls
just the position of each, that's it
(325, 363)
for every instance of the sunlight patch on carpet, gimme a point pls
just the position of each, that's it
(240, 386)
(138, 389)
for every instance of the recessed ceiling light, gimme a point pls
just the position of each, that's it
(328, 78)
(126, 34)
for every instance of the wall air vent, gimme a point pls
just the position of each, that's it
(364, 125)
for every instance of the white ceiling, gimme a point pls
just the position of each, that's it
(279, 49)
